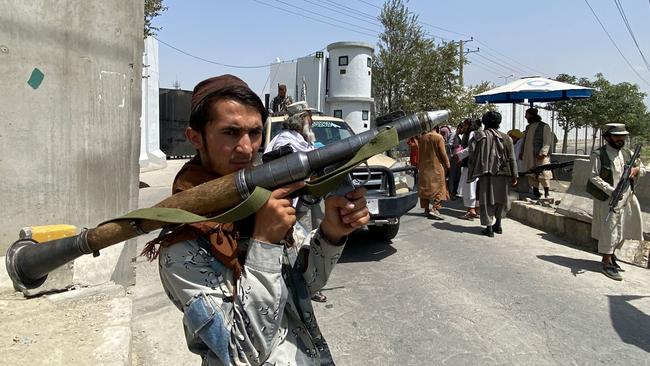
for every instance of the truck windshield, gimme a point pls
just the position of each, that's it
(326, 131)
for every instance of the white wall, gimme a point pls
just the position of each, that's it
(352, 113)
(313, 71)
(151, 157)
(282, 73)
(547, 116)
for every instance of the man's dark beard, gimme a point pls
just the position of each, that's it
(616, 145)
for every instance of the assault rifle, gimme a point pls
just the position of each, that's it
(29, 263)
(552, 166)
(625, 180)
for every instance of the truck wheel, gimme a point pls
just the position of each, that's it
(386, 232)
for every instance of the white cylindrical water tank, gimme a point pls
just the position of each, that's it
(350, 67)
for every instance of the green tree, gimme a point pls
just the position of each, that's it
(396, 64)
(465, 106)
(609, 103)
(152, 9)
(411, 72)
(571, 114)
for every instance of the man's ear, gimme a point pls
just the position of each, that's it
(194, 137)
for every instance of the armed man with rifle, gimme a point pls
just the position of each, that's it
(617, 214)
(241, 279)
(536, 150)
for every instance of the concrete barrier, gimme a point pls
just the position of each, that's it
(70, 105)
(578, 204)
(565, 174)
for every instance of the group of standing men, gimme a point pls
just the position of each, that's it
(490, 163)
(488, 168)
(480, 164)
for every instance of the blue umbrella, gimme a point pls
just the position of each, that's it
(533, 89)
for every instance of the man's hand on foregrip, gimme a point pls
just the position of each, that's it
(344, 214)
(277, 216)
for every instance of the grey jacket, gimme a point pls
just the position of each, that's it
(271, 321)
(491, 153)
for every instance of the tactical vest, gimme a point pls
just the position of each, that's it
(605, 173)
(538, 138)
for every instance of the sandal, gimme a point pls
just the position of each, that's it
(319, 297)
(468, 216)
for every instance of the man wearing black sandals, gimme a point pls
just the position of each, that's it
(492, 160)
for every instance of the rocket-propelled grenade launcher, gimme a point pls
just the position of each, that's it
(28, 263)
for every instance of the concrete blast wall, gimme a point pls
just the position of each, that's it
(70, 109)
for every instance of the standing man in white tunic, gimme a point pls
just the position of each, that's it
(297, 134)
(611, 229)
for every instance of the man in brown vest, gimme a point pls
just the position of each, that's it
(612, 228)
(536, 151)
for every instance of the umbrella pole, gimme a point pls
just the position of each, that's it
(513, 115)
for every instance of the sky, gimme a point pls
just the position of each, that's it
(513, 38)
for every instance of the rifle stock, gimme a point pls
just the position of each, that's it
(28, 263)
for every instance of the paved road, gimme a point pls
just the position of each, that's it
(442, 294)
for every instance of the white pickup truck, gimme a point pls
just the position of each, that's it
(389, 195)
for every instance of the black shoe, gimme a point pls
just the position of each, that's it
(498, 230)
(488, 231)
(611, 272)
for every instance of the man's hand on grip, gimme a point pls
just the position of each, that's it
(277, 216)
(343, 215)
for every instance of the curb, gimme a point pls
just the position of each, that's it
(575, 232)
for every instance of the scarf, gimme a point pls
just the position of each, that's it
(487, 154)
(222, 236)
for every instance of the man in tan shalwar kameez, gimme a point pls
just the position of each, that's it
(536, 151)
(433, 164)
(625, 222)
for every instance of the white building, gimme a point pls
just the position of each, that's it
(339, 85)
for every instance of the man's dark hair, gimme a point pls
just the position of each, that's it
(475, 124)
(201, 114)
(491, 119)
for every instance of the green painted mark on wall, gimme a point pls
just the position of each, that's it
(36, 78)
